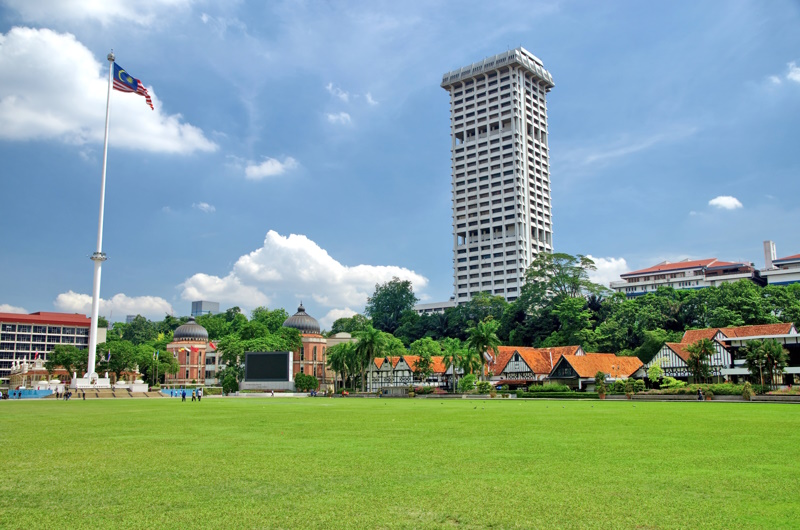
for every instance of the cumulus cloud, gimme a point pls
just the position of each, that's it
(270, 167)
(337, 92)
(335, 314)
(292, 268)
(608, 270)
(142, 12)
(53, 88)
(8, 308)
(153, 307)
(725, 202)
(370, 100)
(793, 73)
(204, 207)
(341, 118)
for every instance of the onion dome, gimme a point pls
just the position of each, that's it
(190, 331)
(303, 322)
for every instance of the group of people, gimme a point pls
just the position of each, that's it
(196, 394)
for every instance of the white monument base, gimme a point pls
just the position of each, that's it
(87, 383)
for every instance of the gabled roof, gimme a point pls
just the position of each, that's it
(437, 363)
(537, 359)
(693, 335)
(679, 348)
(667, 266)
(586, 366)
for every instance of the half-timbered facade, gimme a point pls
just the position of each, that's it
(399, 371)
(519, 367)
(673, 357)
(578, 371)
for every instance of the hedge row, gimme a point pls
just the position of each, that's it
(560, 395)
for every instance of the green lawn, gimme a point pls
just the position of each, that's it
(368, 463)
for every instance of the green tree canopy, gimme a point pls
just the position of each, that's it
(388, 302)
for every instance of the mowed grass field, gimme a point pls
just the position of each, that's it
(383, 463)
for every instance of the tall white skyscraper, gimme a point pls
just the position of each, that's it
(502, 217)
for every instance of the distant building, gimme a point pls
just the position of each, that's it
(129, 318)
(785, 271)
(202, 307)
(519, 367)
(502, 215)
(686, 274)
(22, 336)
(435, 307)
(578, 371)
(188, 346)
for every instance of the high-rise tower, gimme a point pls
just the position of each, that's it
(502, 217)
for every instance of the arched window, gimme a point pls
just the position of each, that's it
(315, 353)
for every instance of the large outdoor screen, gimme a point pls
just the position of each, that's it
(266, 366)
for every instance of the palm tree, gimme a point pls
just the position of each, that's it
(470, 362)
(769, 356)
(452, 355)
(699, 354)
(370, 345)
(340, 359)
(482, 338)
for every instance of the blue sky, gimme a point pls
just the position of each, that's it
(300, 150)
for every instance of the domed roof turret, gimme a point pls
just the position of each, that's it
(190, 331)
(302, 321)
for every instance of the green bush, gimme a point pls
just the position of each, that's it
(212, 391)
(520, 392)
(549, 387)
(304, 383)
(484, 387)
(466, 383)
(747, 390)
(567, 395)
(670, 382)
(618, 386)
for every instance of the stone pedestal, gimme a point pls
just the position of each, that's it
(87, 383)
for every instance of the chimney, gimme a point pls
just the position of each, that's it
(769, 254)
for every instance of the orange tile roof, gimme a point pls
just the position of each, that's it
(787, 258)
(758, 330)
(667, 266)
(588, 365)
(538, 359)
(378, 362)
(680, 349)
(45, 317)
(693, 335)
(437, 363)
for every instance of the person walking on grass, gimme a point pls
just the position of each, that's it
(183, 395)
(193, 395)
(199, 394)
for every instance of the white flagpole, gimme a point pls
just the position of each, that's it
(99, 256)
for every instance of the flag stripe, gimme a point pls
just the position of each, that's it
(118, 84)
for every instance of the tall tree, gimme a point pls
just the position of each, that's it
(371, 344)
(699, 354)
(766, 360)
(272, 320)
(388, 302)
(351, 324)
(483, 339)
(69, 358)
(560, 274)
(340, 358)
(140, 330)
(452, 353)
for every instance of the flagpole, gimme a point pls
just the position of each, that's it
(99, 256)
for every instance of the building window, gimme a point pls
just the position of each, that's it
(302, 353)
(315, 353)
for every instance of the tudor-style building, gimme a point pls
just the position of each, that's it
(519, 367)
(673, 357)
(578, 371)
(385, 372)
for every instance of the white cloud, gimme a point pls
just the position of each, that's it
(293, 268)
(793, 73)
(608, 270)
(204, 207)
(53, 88)
(120, 305)
(725, 202)
(370, 100)
(333, 315)
(774, 79)
(270, 167)
(341, 117)
(337, 92)
(142, 12)
(7, 308)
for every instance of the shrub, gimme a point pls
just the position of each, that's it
(304, 383)
(568, 395)
(466, 383)
(484, 387)
(600, 388)
(708, 394)
(671, 382)
(549, 387)
(638, 385)
(747, 391)
(520, 392)
(505, 388)
(618, 386)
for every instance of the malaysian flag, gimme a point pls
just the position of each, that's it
(124, 82)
